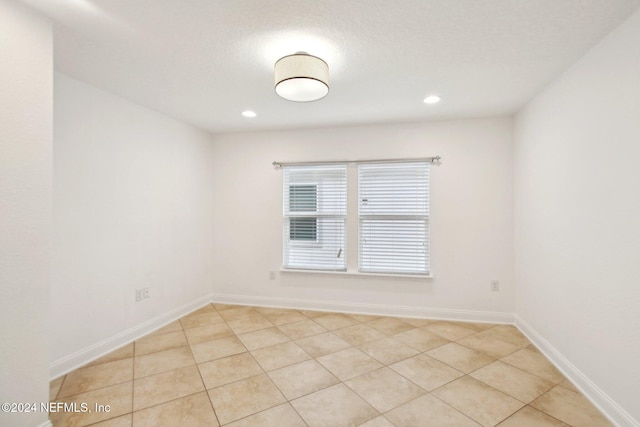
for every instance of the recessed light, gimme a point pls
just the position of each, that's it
(432, 99)
(250, 114)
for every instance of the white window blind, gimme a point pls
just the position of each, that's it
(394, 217)
(314, 215)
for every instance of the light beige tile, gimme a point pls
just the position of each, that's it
(153, 343)
(208, 333)
(221, 307)
(272, 310)
(232, 402)
(237, 313)
(358, 334)
(334, 406)
(284, 317)
(532, 348)
(534, 363)
(530, 417)
(569, 385)
(450, 330)
(162, 361)
(201, 319)
(54, 387)
(516, 383)
(160, 388)
(421, 339)
(178, 394)
(571, 407)
(192, 411)
(462, 358)
(118, 397)
(390, 325)
(490, 346)
(263, 338)
(311, 314)
(282, 416)
(208, 308)
(233, 368)
(477, 400)
(478, 327)
(335, 321)
(169, 327)
(123, 421)
(414, 414)
(511, 334)
(98, 376)
(426, 372)
(349, 363)
(380, 421)
(384, 389)
(362, 317)
(249, 324)
(123, 352)
(280, 355)
(301, 329)
(216, 349)
(506, 333)
(321, 344)
(388, 350)
(418, 323)
(303, 378)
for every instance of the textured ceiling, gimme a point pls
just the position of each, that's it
(205, 61)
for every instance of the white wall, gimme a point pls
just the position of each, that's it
(133, 206)
(577, 216)
(26, 112)
(471, 217)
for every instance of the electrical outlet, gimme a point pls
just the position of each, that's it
(495, 285)
(146, 292)
(272, 275)
(139, 295)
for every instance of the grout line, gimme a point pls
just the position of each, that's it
(206, 391)
(539, 410)
(459, 411)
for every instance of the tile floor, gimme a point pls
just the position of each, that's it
(243, 366)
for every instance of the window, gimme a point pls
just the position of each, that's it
(303, 198)
(315, 208)
(394, 217)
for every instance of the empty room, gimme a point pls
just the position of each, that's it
(320, 213)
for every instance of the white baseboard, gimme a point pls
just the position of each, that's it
(373, 309)
(46, 424)
(99, 349)
(599, 398)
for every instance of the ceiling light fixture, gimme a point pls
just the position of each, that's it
(250, 114)
(301, 77)
(432, 99)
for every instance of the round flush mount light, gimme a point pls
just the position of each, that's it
(301, 77)
(249, 114)
(432, 99)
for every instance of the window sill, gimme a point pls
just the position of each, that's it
(357, 274)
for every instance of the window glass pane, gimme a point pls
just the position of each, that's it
(303, 198)
(303, 229)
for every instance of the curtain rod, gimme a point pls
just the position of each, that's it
(435, 159)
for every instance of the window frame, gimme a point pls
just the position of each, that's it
(330, 226)
(351, 219)
(398, 218)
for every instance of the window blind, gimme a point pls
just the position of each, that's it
(394, 217)
(314, 216)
